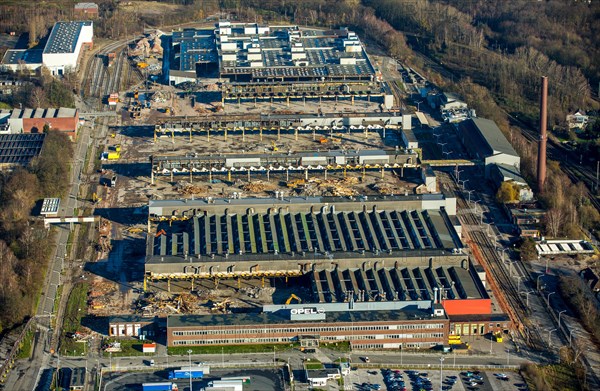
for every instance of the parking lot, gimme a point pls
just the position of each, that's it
(417, 380)
(260, 379)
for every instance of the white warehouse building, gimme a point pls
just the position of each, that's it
(64, 45)
(61, 52)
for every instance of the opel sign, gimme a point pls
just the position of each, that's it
(307, 311)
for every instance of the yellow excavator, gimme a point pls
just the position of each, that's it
(292, 297)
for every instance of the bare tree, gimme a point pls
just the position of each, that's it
(554, 220)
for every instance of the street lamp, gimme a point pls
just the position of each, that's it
(469, 191)
(528, 293)
(441, 373)
(519, 278)
(570, 336)
(550, 336)
(190, 368)
(538, 281)
(559, 314)
(550, 294)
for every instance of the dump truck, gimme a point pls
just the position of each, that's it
(113, 155)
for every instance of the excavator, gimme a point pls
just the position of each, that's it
(292, 297)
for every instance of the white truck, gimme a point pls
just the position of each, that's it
(223, 385)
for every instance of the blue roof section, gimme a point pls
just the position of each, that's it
(63, 37)
(23, 56)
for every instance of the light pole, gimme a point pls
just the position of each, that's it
(550, 336)
(528, 293)
(547, 264)
(469, 191)
(507, 356)
(519, 278)
(190, 368)
(570, 336)
(559, 314)
(549, 294)
(441, 373)
(538, 281)
(491, 341)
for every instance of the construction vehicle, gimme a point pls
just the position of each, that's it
(118, 148)
(274, 147)
(292, 297)
(498, 337)
(113, 155)
(323, 140)
(95, 198)
(136, 94)
(161, 232)
(296, 183)
(222, 306)
(142, 65)
(167, 110)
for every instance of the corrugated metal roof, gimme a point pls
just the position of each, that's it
(493, 136)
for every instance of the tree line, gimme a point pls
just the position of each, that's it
(24, 242)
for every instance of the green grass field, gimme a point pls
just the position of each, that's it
(26, 345)
(264, 348)
(76, 309)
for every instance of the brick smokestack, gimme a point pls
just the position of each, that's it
(541, 168)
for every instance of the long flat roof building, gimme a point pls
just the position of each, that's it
(277, 62)
(484, 140)
(384, 329)
(292, 236)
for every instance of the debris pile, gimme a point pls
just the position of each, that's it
(188, 189)
(258, 187)
(99, 298)
(331, 187)
(385, 188)
(104, 230)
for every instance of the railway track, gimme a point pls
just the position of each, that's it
(500, 281)
(575, 172)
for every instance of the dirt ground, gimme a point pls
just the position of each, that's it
(150, 7)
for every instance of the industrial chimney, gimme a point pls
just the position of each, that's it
(541, 168)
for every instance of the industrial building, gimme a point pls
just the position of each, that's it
(17, 121)
(484, 141)
(326, 125)
(311, 325)
(277, 62)
(255, 163)
(85, 10)
(19, 149)
(212, 238)
(61, 52)
(78, 379)
(429, 305)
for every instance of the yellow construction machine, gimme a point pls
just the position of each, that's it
(292, 297)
